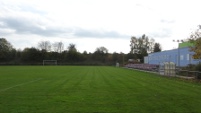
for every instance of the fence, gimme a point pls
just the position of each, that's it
(147, 67)
(179, 72)
(187, 73)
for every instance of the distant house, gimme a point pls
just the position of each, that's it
(181, 56)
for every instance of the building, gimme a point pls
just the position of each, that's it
(181, 56)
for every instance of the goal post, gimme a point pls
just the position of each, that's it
(49, 62)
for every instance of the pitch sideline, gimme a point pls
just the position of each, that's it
(20, 84)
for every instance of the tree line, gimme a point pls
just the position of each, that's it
(140, 47)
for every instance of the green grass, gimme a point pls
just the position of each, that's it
(79, 89)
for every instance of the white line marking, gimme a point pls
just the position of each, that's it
(20, 85)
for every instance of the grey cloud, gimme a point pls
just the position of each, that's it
(25, 8)
(28, 20)
(98, 33)
(165, 30)
(5, 6)
(167, 21)
(6, 31)
(26, 26)
(161, 33)
(22, 19)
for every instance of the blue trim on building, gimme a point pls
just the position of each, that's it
(180, 56)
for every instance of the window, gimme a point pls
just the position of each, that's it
(181, 57)
(187, 57)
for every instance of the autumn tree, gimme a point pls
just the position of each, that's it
(141, 46)
(195, 38)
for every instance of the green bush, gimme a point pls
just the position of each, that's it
(198, 67)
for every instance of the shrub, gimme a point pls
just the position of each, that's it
(198, 67)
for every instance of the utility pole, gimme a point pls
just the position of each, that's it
(178, 41)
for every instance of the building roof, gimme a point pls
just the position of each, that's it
(185, 44)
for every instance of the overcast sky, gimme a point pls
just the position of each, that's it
(93, 23)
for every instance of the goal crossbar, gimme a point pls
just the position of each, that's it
(55, 61)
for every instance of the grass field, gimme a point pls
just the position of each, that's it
(88, 89)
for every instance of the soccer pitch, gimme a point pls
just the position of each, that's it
(93, 89)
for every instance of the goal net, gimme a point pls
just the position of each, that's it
(49, 62)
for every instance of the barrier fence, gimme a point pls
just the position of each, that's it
(147, 67)
(187, 73)
(155, 68)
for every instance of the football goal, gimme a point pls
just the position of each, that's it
(49, 62)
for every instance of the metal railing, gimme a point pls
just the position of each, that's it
(187, 73)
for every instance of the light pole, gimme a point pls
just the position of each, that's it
(123, 59)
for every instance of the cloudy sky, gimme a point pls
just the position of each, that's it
(93, 23)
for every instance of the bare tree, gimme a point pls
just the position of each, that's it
(151, 45)
(44, 45)
(134, 45)
(58, 46)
